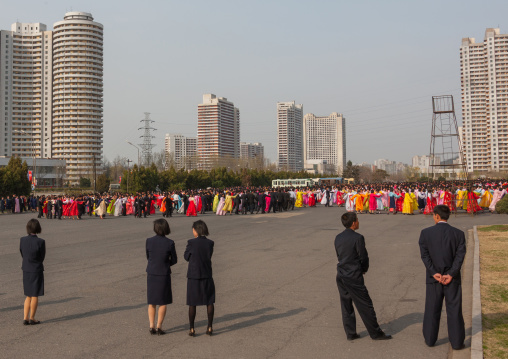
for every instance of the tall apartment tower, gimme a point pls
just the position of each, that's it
(25, 90)
(51, 92)
(181, 151)
(290, 136)
(324, 139)
(252, 151)
(484, 84)
(78, 93)
(218, 130)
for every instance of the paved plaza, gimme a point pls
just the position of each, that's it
(275, 282)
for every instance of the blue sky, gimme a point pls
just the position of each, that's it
(377, 62)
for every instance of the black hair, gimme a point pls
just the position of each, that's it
(33, 226)
(161, 227)
(201, 228)
(348, 219)
(442, 211)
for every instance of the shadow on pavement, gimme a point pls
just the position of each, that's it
(94, 313)
(257, 316)
(41, 303)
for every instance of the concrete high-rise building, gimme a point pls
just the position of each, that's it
(51, 92)
(25, 90)
(218, 130)
(290, 136)
(181, 151)
(484, 84)
(78, 93)
(324, 139)
(252, 151)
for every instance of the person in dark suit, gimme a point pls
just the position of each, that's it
(33, 252)
(161, 255)
(353, 264)
(200, 285)
(443, 249)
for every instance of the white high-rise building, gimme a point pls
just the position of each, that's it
(51, 92)
(290, 136)
(218, 130)
(484, 84)
(252, 151)
(181, 151)
(324, 139)
(25, 90)
(78, 93)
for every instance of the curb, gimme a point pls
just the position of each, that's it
(477, 335)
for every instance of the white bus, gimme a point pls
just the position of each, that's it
(299, 182)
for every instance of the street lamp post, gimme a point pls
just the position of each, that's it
(139, 162)
(128, 170)
(34, 168)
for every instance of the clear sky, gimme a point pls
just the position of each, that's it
(377, 62)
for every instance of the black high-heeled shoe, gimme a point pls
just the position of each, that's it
(34, 322)
(25, 322)
(160, 331)
(209, 331)
(192, 332)
(152, 331)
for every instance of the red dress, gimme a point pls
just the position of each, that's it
(472, 203)
(431, 203)
(191, 210)
(399, 203)
(66, 209)
(73, 209)
(312, 200)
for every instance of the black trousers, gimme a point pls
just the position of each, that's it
(452, 294)
(354, 291)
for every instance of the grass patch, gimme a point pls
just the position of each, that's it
(495, 228)
(494, 290)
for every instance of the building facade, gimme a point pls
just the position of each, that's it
(290, 136)
(218, 131)
(484, 86)
(51, 91)
(324, 139)
(181, 151)
(252, 151)
(25, 90)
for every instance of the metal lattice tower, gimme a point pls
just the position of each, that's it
(446, 150)
(147, 145)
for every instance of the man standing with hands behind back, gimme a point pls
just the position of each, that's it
(353, 264)
(443, 249)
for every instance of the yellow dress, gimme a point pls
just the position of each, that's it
(486, 199)
(359, 201)
(299, 199)
(460, 198)
(407, 207)
(228, 205)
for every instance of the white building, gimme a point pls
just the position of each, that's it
(252, 151)
(25, 90)
(324, 139)
(386, 165)
(484, 85)
(290, 136)
(52, 92)
(181, 151)
(218, 130)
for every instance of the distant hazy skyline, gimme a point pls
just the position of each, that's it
(378, 63)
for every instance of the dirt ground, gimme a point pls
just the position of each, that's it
(494, 290)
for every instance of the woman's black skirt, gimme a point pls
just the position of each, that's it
(33, 284)
(159, 289)
(200, 291)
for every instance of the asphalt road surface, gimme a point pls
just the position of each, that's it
(275, 283)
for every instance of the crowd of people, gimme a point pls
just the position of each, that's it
(405, 198)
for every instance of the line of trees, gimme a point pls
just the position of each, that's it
(150, 178)
(14, 178)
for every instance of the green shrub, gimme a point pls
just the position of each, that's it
(502, 205)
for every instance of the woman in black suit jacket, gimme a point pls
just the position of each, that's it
(161, 255)
(33, 252)
(200, 285)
